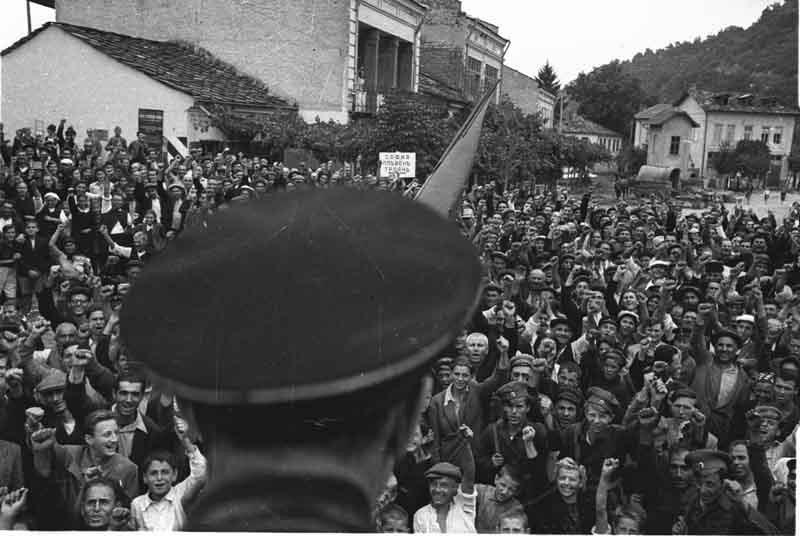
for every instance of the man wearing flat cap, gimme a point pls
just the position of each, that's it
(330, 260)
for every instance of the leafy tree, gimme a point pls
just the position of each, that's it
(548, 80)
(582, 155)
(630, 159)
(724, 160)
(609, 96)
(752, 157)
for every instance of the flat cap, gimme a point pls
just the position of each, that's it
(55, 379)
(730, 334)
(521, 360)
(570, 394)
(559, 320)
(750, 319)
(444, 469)
(622, 314)
(246, 287)
(708, 461)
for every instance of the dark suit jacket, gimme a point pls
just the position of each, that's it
(11, 466)
(36, 257)
(445, 423)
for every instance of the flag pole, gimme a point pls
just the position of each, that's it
(28, 6)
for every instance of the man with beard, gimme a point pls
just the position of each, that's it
(513, 440)
(722, 388)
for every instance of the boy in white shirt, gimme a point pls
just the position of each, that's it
(163, 507)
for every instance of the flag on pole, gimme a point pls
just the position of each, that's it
(441, 190)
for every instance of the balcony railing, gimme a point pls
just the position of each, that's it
(366, 102)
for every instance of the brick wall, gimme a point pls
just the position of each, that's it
(297, 47)
(444, 63)
(442, 11)
(521, 89)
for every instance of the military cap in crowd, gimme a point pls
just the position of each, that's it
(615, 355)
(769, 412)
(512, 391)
(444, 469)
(748, 319)
(53, 380)
(682, 392)
(728, 333)
(246, 287)
(709, 461)
(602, 399)
(607, 320)
(521, 360)
(570, 394)
(79, 291)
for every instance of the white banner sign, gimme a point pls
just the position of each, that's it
(403, 164)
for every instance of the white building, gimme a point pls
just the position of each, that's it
(725, 118)
(99, 80)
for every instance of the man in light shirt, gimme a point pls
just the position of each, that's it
(163, 507)
(453, 498)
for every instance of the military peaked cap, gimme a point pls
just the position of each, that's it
(302, 297)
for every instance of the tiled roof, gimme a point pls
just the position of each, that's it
(581, 125)
(436, 88)
(665, 115)
(738, 102)
(180, 66)
(653, 110)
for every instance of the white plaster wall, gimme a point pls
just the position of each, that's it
(56, 75)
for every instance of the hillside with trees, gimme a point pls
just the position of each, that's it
(761, 59)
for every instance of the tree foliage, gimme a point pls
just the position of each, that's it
(724, 160)
(630, 159)
(609, 96)
(761, 59)
(548, 80)
(752, 157)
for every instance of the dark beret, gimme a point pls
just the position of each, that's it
(730, 334)
(80, 291)
(383, 283)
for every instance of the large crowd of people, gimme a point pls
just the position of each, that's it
(630, 368)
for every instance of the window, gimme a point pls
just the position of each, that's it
(491, 77)
(731, 132)
(765, 134)
(777, 136)
(474, 70)
(674, 145)
(748, 132)
(717, 134)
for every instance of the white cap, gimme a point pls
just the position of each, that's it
(657, 262)
(746, 318)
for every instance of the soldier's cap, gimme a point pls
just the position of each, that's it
(602, 399)
(570, 394)
(730, 334)
(607, 320)
(769, 412)
(714, 267)
(444, 469)
(512, 391)
(53, 380)
(245, 287)
(708, 461)
(521, 360)
(631, 314)
(682, 392)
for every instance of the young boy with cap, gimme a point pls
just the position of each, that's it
(495, 501)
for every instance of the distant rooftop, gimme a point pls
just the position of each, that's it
(739, 102)
(581, 125)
